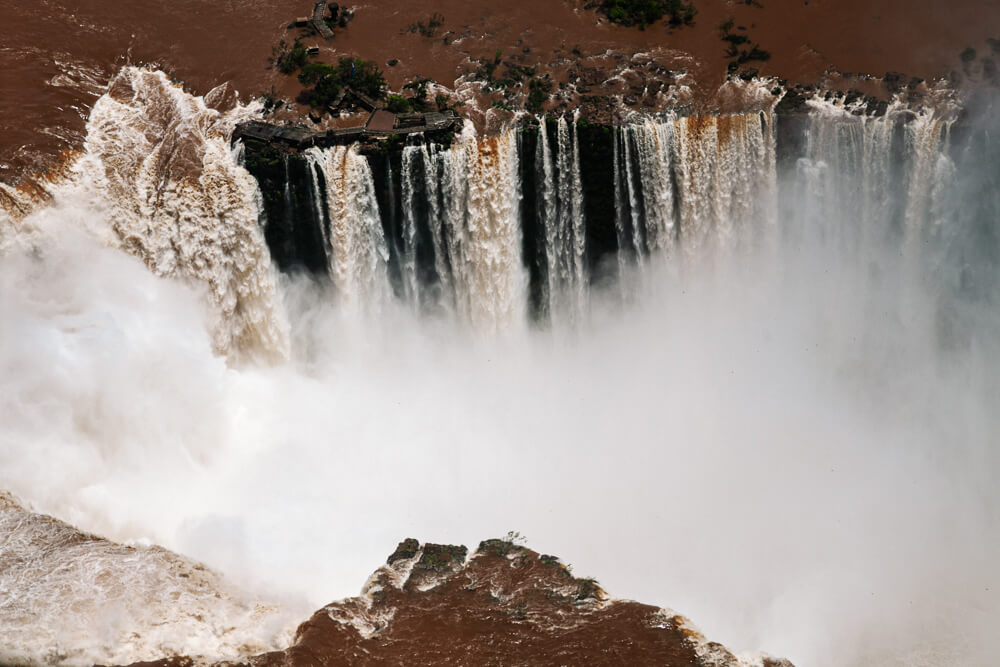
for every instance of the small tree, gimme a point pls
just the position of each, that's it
(289, 58)
(328, 80)
(642, 13)
(398, 104)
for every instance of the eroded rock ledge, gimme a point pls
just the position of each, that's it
(506, 605)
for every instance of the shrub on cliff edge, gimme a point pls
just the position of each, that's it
(328, 80)
(646, 12)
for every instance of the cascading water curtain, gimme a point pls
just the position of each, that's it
(470, 194)
(358, 251)
(684, 188)
(697, 184)
(179, 200)
(862, 190)
(561, 214)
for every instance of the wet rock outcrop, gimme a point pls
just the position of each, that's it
(506, 605)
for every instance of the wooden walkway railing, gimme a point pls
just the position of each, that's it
(302, 138)
(318, 20)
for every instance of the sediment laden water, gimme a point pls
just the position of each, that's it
(894, 180)
(685, 188)
(357, 250)
(60, 584)
(561, 215)
(158, 163)
(470, 193)
(170, 190)
(694, 183)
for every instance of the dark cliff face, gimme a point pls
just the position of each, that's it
(296, 223)
(506, 605)
(292, 225)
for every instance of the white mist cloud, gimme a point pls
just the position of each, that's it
(782, 446)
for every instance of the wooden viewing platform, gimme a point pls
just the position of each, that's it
(318, 20)
(301, 138)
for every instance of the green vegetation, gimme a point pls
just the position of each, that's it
(439, 557)
(487, 70)
(328, 81)
(428, 29)
(405, 550)
(289, 58)
(419, 88)
(339, 17)
(642, 13)
(738, 50)
(539, 90)
(398, 104)
(512, 543)
(511, 80)
(586, 589)
(270, 99)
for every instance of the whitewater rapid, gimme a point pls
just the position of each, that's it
(787, 438)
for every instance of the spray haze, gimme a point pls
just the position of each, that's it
(786, 431)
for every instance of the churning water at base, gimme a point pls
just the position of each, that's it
(790, 441)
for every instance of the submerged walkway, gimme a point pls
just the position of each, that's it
(318, 20)
(381, 123)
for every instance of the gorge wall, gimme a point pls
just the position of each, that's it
(525, 222)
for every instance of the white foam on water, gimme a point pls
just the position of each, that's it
(772, 444)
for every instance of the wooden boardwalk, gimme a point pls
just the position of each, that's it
(318, 20)
(301, 138)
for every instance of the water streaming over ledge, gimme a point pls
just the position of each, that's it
(460, 207)
(493, 231)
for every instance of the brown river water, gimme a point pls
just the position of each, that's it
(56, 57)
(792, 442)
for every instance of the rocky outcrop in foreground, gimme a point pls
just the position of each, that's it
(506, 605)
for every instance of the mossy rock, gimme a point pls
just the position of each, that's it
(498, 547)
(406, 549)
(440, 557)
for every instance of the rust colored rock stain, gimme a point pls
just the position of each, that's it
(725, 126)
(698, 126)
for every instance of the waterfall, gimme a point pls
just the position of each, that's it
(846, 174)
(694, 183)
(432, 182)
(314, 169)
(561, 214)
(855, 169)
(358, 252)
(726, 179)
(178, 199)
(484, 236)
(931, 175)
(652, 144)
(636, 217)
(621, 231)
(408, 253)
(471, 196)
(686, 191)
